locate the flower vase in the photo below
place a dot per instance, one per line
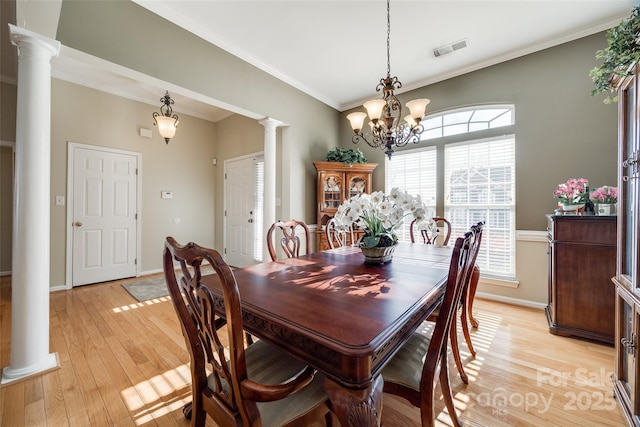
(572, 207)
(605, 209)
(378, 254)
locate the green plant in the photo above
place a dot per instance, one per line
(346, 155)
(622, 51)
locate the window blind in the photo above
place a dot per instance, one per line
(479, 179)
(413, 171)
(258, 195)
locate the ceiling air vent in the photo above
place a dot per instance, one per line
(443, 50)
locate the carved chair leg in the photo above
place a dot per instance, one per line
(468, 302)
(455, 349)
(464, 322)
(427, 410)
(445, 386)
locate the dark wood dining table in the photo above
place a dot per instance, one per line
(344, 317)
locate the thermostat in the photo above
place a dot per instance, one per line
(166, 195)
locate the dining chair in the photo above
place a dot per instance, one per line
(290, 241)
(471, 278)
(338, 237)
(443, 228)
(411, 373)
(254, 386)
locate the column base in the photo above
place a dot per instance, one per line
(10, 375)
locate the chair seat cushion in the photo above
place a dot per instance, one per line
(268, 365)
(405, 367)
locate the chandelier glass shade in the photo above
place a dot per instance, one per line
(166, 121)
(387, 128)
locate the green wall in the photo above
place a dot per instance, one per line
(561, 130)
(101, 28)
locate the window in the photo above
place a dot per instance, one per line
(455, 122)
(413, 171)
(258, 195)
(479, 179)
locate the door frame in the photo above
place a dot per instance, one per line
(71, 147)
(224, 202)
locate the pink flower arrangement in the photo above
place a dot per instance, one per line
(572, 191)
(605, 194)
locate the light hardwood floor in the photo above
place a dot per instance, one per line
(124, 363)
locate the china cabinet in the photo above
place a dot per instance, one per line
(582, 261)
(627, 312)
(336, 183)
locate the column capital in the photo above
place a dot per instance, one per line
(270, 123)
(21, 36)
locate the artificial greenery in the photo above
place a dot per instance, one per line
(622, 51)
(346, 156)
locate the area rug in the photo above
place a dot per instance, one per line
(154, 287)
(147, 289)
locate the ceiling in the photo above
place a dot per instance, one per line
(335, 51)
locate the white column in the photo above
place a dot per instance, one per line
(269, 215)
(31, 208)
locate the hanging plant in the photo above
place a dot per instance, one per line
(346, 156)
(621, 53)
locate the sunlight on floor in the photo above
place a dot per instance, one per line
(141, 304)
(159, 395)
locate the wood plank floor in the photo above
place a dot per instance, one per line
(124, 363)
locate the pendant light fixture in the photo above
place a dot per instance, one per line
(167, 121)
(385, 115)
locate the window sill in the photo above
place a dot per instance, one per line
(507, 283)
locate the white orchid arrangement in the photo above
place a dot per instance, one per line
(379, 215)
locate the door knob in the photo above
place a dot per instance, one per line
(78, 224)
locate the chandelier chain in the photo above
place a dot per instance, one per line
(388, 38)
(385, 115)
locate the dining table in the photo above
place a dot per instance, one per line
(342, 316)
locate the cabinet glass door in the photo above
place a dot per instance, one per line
(331, 190)
(628, 185)
(356, 185)
(626, 355)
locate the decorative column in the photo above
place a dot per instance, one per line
(269, 214)
(31, 209)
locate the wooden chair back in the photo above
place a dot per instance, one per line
(458, 271)
(226, 394)
(443, 232)
(290, 241)
(338, 238)
(429, 355)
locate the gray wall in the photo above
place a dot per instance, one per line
(561, 131)
(183, 167)
(102, 28)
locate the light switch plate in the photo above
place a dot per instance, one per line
(166, 195)
(59, 200)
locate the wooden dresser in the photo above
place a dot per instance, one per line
(582, 261)
(337, 183)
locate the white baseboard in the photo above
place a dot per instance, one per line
(148, 272)
(58, 288)
(512, 301)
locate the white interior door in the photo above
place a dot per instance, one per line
(243, 211)
(104, 215)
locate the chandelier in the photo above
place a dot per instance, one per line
(167, 121)
(385, 114)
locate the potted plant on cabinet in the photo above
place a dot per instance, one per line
(621, 53)
(346, 156)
